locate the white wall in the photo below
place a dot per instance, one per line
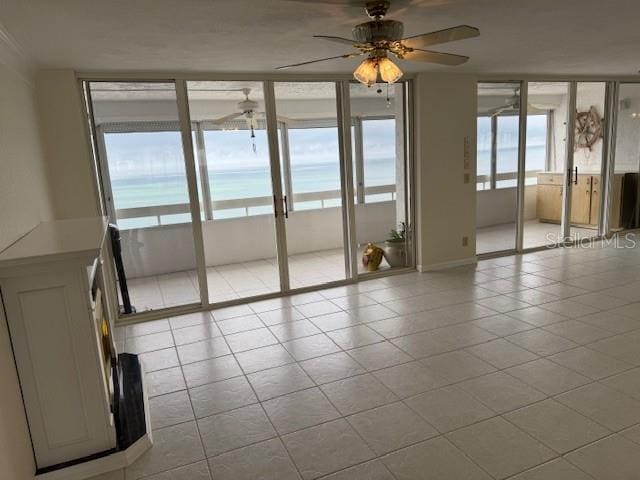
(445, 110)
(24, 202)
(67, 147)
(167, 249)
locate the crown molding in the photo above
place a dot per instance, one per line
(14, 57)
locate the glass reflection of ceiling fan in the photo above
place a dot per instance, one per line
(248, 109)
(512, 104)
(379, 38)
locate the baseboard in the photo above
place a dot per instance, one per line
(445, 265)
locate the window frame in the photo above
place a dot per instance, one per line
(493, 175)
(200, 127)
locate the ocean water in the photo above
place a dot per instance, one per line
(229, 184)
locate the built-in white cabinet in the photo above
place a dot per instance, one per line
(52, 288)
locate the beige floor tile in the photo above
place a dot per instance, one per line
(240, 342)
(239, 324)
(409, 379)
(435, 459)
(627, 382)
(612, 321)
(354, 337)
(374, 470)
(172, 447)
(332, 367)
(326, 448)
(442, 340)
(263, 358)
(164, 381)
(316, 309)
(190, 320)
(557, 426)
(299, 410)
(195, 471)
(292, 330)
(234, 429)
(502, 392)
(606, 406)
(146, 328)
(579, 332)
(379, 355)
(231, 312)
(355, 394)
(590, 363)
(391, 427)
(449, 408)
(502, 325)
(336, 321)
(623, 347)
(170, 409)
(632, 433)
(198, 351)
(500, 448)
(159, 359)
(537, 316)
(279, 381)
(310, 347)
(268, 459)
(541, 342)
(547, 376)
(612, 458)
(458, 366)
(282, 315)
(501, 353)
(221, 396)
(212, 370)
(558, 469)
(196, 333)
(148, 343)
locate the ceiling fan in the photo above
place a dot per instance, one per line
(380, 37)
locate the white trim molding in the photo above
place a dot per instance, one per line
(14, 57)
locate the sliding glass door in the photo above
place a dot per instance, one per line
(545, 163)
(146, 190)
(560, 164)
(236, 193)
(229, 190)
(497, 166)
(312, 185)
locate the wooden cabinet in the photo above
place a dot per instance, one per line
(586, 196)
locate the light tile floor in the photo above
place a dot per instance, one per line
(238, 280)
(437, 376)
(501, 237)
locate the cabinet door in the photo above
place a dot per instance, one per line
(595, 200)
(581, 200)
(549, 202)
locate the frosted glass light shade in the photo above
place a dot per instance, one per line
(367, 72)
(389, 71)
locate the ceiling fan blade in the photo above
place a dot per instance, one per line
(344, 41)
(441, 36)
(226, 118)
(346, 55)
(435, 57)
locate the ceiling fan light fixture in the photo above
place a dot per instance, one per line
(367, 71)
(389, 71)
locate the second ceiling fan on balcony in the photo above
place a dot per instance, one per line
(380, 37)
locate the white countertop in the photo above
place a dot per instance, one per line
(58, 238)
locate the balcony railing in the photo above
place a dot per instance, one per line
(485, 180)
(159, 211)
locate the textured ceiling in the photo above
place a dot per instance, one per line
(517, 36)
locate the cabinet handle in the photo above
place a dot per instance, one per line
(575, 182)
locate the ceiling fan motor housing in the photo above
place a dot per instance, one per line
(378, 31)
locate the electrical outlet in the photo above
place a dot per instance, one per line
(465, 241)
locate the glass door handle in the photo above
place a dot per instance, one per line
(575, 181)
(286, 207)
(275, 207)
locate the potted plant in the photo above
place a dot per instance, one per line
(395, 250)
